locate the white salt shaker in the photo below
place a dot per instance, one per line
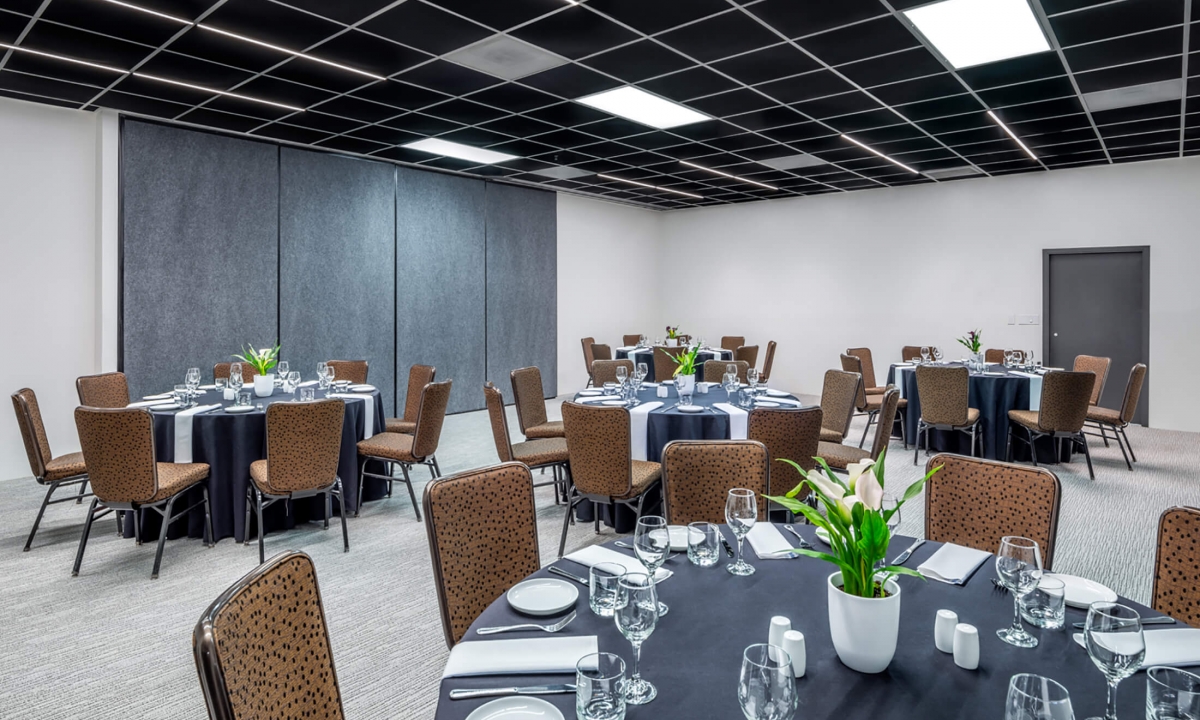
(779, 626)
(702, 388)
(966, 646)
(943, 630)
(229, 394)
(793, 645)
(662, 391)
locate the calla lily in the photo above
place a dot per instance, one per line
(869, 491)
(846, 507)
(829, 488)
(857, 469)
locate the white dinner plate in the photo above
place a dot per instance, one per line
(543, 596)
(776, 393)
(690, 408)
(516, 708)
(1081, 592)
(765, 403)
(160, 396)
(165, 406)
(823, 535)
(590, 393)
(612, 402)
(363, 388)
(679, 537)
(239, 409)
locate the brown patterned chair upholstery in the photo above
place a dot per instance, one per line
(840, 456)
(995, 356)
(221, 370)
(765, 375)
(732, 342)
(868, 370)
(838, 395)
(418, 377)
(601, 467)
(530, 399)
(1102, 418)
(304, 443)
(749, 353)
(474, 563)
(548, 452)
(945, 404)
(601, 351)
(908, 353)
(605, 371)
(1099, 366)
(118, 447)
(262, 648)
(697, 476)
(1065, 401)
(53, 472)
(406, 450)
(107, 390)
(353, 370)
(714, 370)
(665, 362)
(587, 343)
(974, 503)
(1177, 565)
(870, 405)
(791, 434)
(630, 340)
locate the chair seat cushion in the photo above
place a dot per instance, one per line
(543, 451)
(1025, 418)
(876, 390)
(389, 446)
(645, 474)
(831, 436)
(552, 429)
(258, 472)
(65, 466)
(841, 456)
(972, 417)
(399, 425)
(875, 403)
(175, 478)
(1104, 415)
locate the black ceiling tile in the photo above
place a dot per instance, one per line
(1112, 19)
(1193, 83)
(70, 72)
(366, 52)
(47, 87)
(81, 45)
(449, 163)
(1053, 7)
(499, 15)
(1052, 124)
(522, 148)
(705, 131)
(720, 37)
(932, 86)
(689, 84)
(796, 19)
(1016, 70)
(986, 147)
(398, 94)
(570, 81)
(1128, 154)
(1125, 75)
(689, 151)
(1013, 166)
(733, 102)
(801, 131)
(514, 98)
(306, 72)
(271, 22)
(844, 104)
(659, 15)
(192, 70)
(426, 27)
(599, 166)
(344, 11)
(112, 19)
(518, 126)
(857, 42)
(384, 134)
(252, 109)
(564, 157)
(218, 48)
(1060, 137)
(223, 120)
(969, 137)
(614, 128)
(350, 107)
(566, 139)
(1076, 159)
(349, 144)
(523, 164)
(1020, 94)
(1037, 110)
(1144, 46)
(603, 148)
(637, 159)
(763, 152)
(957, 123)
(27, 7)
(401, 154)
(449, 78)
(890, 134)
(864, 121)
(767, 64)
(638, 61)
(942, 107)
(464, 111)
(898, 147)
(990, 158)
(291, 133)
(816, 145)
(167, 91)
(11, 26)
(904, 65)
(568, 114)
(289, 93)
(476, 137)
(320, 121)
(736, 143)
(652, 140)
(1137, 126)
(1149, 138)
(574, 33)
(141, 105)
(806, 87)
(1137, 112)
(769, 118)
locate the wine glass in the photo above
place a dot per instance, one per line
(1019, 567)
(330, 376)
(1114, 640)
(192, 380)
(1029, 358)
(642, 371)
(235, 377)
(741, 512)
(320, 370)
(767, 686)
(924, 353)
(937, 354)
(652, 545)
(281, 371)
(1033, 697)
(641, 341)
(293, 379)
(622, 374)
(752, 378)
(636, 615)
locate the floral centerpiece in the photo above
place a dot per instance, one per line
(973, 341)
(263, 361)
(685, 367)
(672, 335)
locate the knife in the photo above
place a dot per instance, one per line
(530, 690)
(728, 548)
(557, 571)
(1164, 620)
(902, 557)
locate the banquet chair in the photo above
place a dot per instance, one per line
(353, 370)
(749, 353)
(1065, 398)
(995, 356)
(53, 472)
(598, 440)
(631, 340)
(304, 444)
(587, 343)
(600, 351)
(732, 342)
(665, 362)
(221, 370)
(697, 476)
(1017, 499)
(765, 375)
(1176, 591)
(262, 648)
(107, 390)
(605, 371)
(868, 370)
(870, 405)
(840, 456)
(714, 370)
(791, 434)
(530, 399)
(546, 452)
(1097, 365)
(838, 394)
(945, 404)
(1102, 418)
(474, 562)
(408, 450)
(908, 353)
(418, 377)
(118, 447)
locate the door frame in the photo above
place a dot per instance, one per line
(1047, 253)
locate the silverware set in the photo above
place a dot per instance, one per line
(804, 544)
(553, 628)
(563, 573)
(463, 694)
(903, 557)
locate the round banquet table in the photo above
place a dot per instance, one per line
(646, 355)
(694, 655)
(228, 443)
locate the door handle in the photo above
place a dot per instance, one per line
(1055, 334)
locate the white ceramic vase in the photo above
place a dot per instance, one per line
(264, 385)
(864, 630)
(672, 342)
(689, 384)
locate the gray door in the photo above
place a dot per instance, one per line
(1097, 302)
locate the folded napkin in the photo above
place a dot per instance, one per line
(768, 542)
(784, 401)
(368, 411)
(1180, 646)
(776, 393)
(160, 396)
(628, 348)
(208, 387)
(527, 656)
(183, 432)
(597, 398)
(1035, 389)
(953, 564)
(738, 419)
(362, 388)
(145, 403)
(594, 555)
(308, 383)
(638, 419)
(164, 406)
(649, 383)
(1022, 373)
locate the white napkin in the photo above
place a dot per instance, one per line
(160, 396)
(768, 542)
(628, 348)
(183, 432)
(308, 383)
(596, 398)
(145, 403)
(164, 405)
(208, 387)
(953, 564)
(738, 420)
(1180, 646)
(362, 388)
(368, 411)
(594, 555)
(638, 419)
(776, 393)
(649, 383)
(527, 656)
(786, 401)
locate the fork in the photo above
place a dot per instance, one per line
(804, 544)
(999, 586)
(529, 626)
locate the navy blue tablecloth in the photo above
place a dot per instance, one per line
(702, 357)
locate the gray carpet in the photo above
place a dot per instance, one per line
(112, 644)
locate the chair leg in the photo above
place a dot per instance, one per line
(973, 435)
(137, 526)
(1008, 446)
(437, 471)
(258, 503)
(903, 430)
(1117, 437)
(328, 509)
(87, 528)
(1032, 448)
(162, 539)
(1104, 434)
(1087, 454)
(863, 439)
(917, 444)
(41, 511)
(1131, 454)
(362, 475)
(249, 508)
(82, 489)
(562, 543)
(342, 514)
(120, 522)
(411, 493)
(210, 539)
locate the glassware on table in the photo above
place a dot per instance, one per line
(636, 615)
(752, 377)
(602, 587)
(243, 399)
(308, 394)
(1172, 694)
(1113, 636)
(180, 395)
(1046, 605)
(1028, 357)
(1033, 697)
(767, 686)
(925, 354)
(745, 398)
(889, 503)
(937, 354)
(642, 370)
(600, 687)
(192, 380)
(1019, 568)
(652, 545)
(235, 376)
(731, 368)
(622, 373)
(641, 341)
(703, 541)
(281, 372)
(219, 384)
(741, 512)
(293, 379)
(320, 370)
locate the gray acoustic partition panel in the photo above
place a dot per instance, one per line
(522, 283)
(199, 234)
(440, 282)
(336, 260)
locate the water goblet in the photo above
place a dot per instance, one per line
(636, 616)
(731, 368)
(293, 379)
(642, 370)
(308, 394)
(243, 399)
(652, 545)
(1033, 697)
(235, 377)
(1114, 640)
(767, 686)
(180, 395)
(1046, 605)
(603, 586)
(703, 539)
(641, 341)
(220, 384)
(281, 372)
(741, 512)
(600, 687)
(925, 354)
(622, 374)
(1172, 694)
(752, 377)
(1019, 568)
(320, 370)
(746, 398)
(937, 354)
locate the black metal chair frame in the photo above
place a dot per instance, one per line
(162, 507)
(922, 426)
(577, 497)
(431, 462)
(1032, 436)
(872, 418)
(255, 497)
(82, 480)
(1118, 435)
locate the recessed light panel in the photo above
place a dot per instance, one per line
(974, 32)
(791, 162)
(562, 172)
(446, 148)
(953, 172)
(1124, 97)
(640, 106)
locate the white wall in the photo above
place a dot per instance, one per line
(923, 265)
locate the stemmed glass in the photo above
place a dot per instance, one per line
(937, 354)
(1114, 640)
(752, 378)
(282, 371)
(235, 377)
(729, 381)
(925, 354)
(652, 544)
(636, 615)
(1033, 697)
(741, 512)
(320, 370)
(293, 380)
(622, 374)
(680, 386)
(642, 371)
(192, 380)
(767, 687)
(1019, 567)
(641, 341)
(329, 378)
(1029, 358)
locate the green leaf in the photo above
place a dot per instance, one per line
(901, 570)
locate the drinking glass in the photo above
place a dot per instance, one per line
(1046, 605)
(679, 383)
(924, 353)
(293, 379)
(308, 394)
(220, 383)
(752, 377)
(602, 587)
(235, 376)
(636, 615)
(1113, 636)
(281, 372)
(1033, 697)
(243, 399)
(600, 687)
(730, 383)
(1029, 357)
(703, 539)
(641, 341)
(731, 368)
(192, 380)
(330, 372)
(937, 354)
(642, 370)
(622, 373)
(320, 370)
(746, 398)
(741, 512)
(1172, 694)
(767, 686)
(652, 545)
(1019, 568)
(180, 395)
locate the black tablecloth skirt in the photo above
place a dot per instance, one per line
(701, 358)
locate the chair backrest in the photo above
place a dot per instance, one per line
(418, 377)
(1133, 392)
(732, 342)
(790, 434)
(768, 362)
(304, 443)
(221, 370)
(945, 394)
(600, 351)
(698, 475)
(33, 432)
(1177, 558)
(852, 364)
(599, 447)
(494, 399)
(1065, 400)
(1097, 365)
(118, 447)
(838, 395)
(434, 399)
(996, 355)
(868, 365)
(908, 353)
(353, 370)
(885, 420)
(749, 353)
(665, 362)
(474, 563)
(262, 648)
(630, 340)
(529, 397)
(974, 502)
(714, 370)
(587, 343)
(107, 390)
(605, 371)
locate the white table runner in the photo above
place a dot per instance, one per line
(183, 432)
(639, 418)
(368, 409)
(738, 420)
(1035, 384)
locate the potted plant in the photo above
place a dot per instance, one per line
(973, 341)
(672, 336)
(864, 597)
(685, 368)
(262, 361)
